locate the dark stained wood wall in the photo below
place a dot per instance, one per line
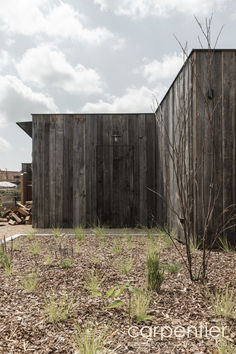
(81, 176)
(223, 164)
(192, 85)
(177, 103)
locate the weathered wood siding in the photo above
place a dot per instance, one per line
(176, 106)
(219, 155)
(190, 88)
(82, 176)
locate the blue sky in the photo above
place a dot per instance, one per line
(93, 56)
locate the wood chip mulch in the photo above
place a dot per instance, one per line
(24, 326)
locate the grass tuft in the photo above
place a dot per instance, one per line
(7, 263)
(223, 302)
(89, 340)
(117, 247)
(29, 282)
(79, 234)
(48, 259)
(93, 283)
(173, 268)
(224, 244)
(35, 248)
(67, 263)
(30, 236)
(155, 273)
(100, 235)
(58, 309)
(139, 308)
(126, 266)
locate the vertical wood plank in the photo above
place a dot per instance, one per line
(151, 176)
(228, 136)
(35, 177)
(52, 171)
(79, 173)
(142, 170)
(66, 166)
(59, 147)
(45, 191)
(40, 128)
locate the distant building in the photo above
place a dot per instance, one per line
(10, 176)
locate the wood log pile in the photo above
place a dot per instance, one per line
(20, 214)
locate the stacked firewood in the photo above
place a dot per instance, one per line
(19, 214)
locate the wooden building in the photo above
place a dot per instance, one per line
(91, 169)
(101, 168)
(201, 104)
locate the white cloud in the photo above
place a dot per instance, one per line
(47, 66)
(49, 17)
(166, 68)
(4, 145)
(143, 8)
(18, 101)
(134, 100)
(119, 45)
(4, 59)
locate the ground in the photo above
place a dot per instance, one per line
(26, 327)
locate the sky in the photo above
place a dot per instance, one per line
(88, 56)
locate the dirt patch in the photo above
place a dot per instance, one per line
(24, 325)
(8, 230)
